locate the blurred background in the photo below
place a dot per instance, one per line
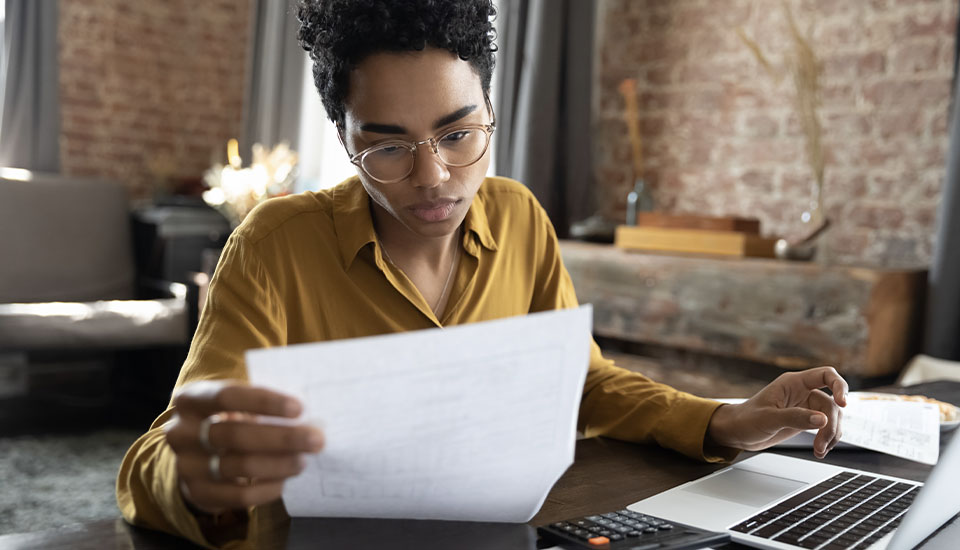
(742, 187)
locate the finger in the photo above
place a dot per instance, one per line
(249, 437)
(825, 377)
(183, 435)
(829, 433)
(207, 397)
(797, 418)
(262, 467)
(213, 496)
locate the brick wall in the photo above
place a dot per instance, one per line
(721, 137)
(149, 90)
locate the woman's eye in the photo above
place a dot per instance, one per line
(390, 150)
(456, 136)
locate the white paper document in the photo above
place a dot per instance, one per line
(907, 429)
(474, 422)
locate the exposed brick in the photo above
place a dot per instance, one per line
(757, 181)
(139, 79)
(888, 66)
(916, 57)
(910, 122)
(877, 217)
(760, 126)
(893, 92)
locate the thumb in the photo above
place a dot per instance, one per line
(798, 418)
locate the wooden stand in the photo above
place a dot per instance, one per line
(794, 315)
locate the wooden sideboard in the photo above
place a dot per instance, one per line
(794, 315)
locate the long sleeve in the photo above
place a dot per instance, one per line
(618, 403)
(242, 312)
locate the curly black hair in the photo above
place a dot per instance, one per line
(339, 34)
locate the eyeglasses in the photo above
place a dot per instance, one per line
(392, 161)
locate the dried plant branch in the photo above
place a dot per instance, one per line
(805, 70)
(628, 89)
(758, 53)
(806, 78)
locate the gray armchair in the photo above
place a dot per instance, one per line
(68, 286)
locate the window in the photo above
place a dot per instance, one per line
(3, 56)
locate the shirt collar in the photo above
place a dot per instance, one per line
(351, 219)
(354, 225)
(477, 223)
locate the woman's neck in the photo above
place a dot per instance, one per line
(403, 247)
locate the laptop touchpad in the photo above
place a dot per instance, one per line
(745, 487)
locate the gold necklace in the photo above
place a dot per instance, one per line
(446, 284)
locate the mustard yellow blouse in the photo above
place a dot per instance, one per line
(308, 268)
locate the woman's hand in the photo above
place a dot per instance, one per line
(226, 458)
(790, 404)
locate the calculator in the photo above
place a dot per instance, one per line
(627, 530)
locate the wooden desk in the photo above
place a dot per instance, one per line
(607, 475)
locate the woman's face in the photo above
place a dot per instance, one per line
(415, 96)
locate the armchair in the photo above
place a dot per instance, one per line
(70, 300)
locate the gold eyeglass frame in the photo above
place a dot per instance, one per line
(414, 146)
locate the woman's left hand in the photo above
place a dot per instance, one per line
(792, 403)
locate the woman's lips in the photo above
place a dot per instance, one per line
(434, 211)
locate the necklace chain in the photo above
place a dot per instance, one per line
(446, 284)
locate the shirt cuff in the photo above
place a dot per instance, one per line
(684, 429)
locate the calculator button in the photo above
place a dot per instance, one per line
(650, 530)
(616, 537)
(582, 534)
(593, 518)
(633, 534)
(605, 533)
(665, 526)
(599, 541)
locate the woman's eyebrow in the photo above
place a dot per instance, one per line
(454, 116)
(379, 128)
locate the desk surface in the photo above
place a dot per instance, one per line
(606, 475)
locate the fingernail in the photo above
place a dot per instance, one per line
(315, 441)
(291, 408)
(816, 420)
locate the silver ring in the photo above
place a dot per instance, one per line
(204, 435)
(213, 466)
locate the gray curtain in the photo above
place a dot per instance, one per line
(543, 102)
(30, 121)
(274, 76)
(943, 318)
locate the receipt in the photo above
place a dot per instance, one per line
(906, 429)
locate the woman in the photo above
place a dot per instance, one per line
(418, 239)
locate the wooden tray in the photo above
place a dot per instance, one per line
(690, 221)
(694, 241)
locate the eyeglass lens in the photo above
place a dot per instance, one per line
(394, 161)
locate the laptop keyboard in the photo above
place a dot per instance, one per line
(847, 511)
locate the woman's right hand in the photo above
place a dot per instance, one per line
(239, 461)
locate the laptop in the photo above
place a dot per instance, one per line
(779, 502)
